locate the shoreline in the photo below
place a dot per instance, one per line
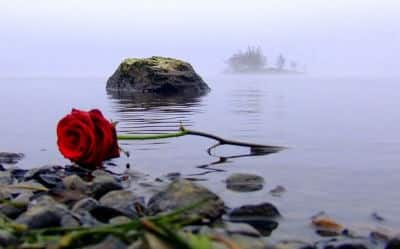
(70, 197)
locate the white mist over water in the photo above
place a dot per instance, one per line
(86, 38)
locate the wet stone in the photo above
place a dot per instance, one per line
(122, 200)
(10, 157)
(110, 242)
(7, 239)
(86, 219)
(261, 217)
(67, 197)
(43, 201)
(183, 193)
(265, 209)
(19, 174)
(49, 176)
(86, 204)
(43, 216)
(104, 214)
(393, 244)
(119, 220)
(29, 186)
(74, 182)
(69, 221)
(242, 182)
(5, 178)
(17, 206)
(102, 184)
(264, 226)
(327, 233)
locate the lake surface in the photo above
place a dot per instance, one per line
(342, 133)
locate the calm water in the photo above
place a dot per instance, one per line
(342, 134)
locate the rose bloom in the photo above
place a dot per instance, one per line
(87, 138)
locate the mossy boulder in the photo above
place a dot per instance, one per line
(156, 75)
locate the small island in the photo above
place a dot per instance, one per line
(254, 61)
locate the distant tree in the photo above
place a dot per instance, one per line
(280, 62)
(251, 60)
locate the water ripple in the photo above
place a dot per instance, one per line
(139, 113)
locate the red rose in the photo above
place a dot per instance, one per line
(87, 138)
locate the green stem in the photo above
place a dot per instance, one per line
(152, 136)
(221, 141)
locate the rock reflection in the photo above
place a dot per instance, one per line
(146, 113)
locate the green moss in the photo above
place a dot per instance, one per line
(165, 63)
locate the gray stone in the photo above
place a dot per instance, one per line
(242, 182)
(156, 75)
(327, 233)
(241, 228)
(28, 186)
(7, 239)
(119, 220)
(10, 157)
(86, 219)
(393, 244)
(74, 182)
(17, 206)
(121, 200)
(86, 204)
(261, 217)
(5, 178)
(42, 201)
(183, 193)
(102, 184)
(69, 221)
(265, 209)
(43, 216)
(100, 172)
(48, 175)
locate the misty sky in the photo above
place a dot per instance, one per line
(91, 37)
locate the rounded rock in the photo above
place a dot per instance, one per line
(103, 184)
(243, 182)
(156, 74)
(121, 200)
(183, 193)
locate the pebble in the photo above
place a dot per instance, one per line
(10, 157)
(242, 182)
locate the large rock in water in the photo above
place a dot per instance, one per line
(156, 75)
